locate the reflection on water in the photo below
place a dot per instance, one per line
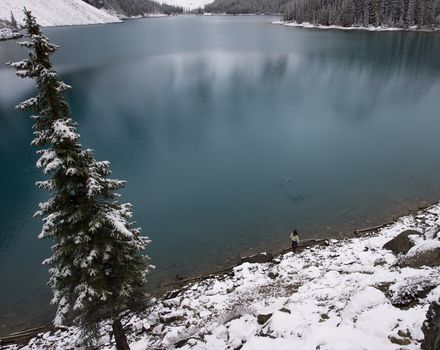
(230, 131)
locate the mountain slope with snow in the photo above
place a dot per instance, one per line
(56, 12)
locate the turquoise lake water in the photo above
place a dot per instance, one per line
(230, 131)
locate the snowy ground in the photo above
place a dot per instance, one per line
(318, 26)
(56, 12)
(8, 33)
(346, 295)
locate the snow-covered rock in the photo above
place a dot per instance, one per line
(56, 12)
(431, 328)
(402, 242)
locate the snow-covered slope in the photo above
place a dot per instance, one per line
(56, 12)
(347, 294)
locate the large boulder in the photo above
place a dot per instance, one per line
(402, 242)
(431, 328)
(429, 257)
(410, 291)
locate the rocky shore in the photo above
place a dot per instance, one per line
(379, 291)
(8, 33)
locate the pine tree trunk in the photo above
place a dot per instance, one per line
(120, 338)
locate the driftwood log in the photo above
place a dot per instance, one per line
(302, 244)
(24, 336)
(373, 228)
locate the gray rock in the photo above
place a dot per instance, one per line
(284, 309)
(423, 258)
(410, 294)
(172, 302)
(158, 329)
(399, 341)
(404, 333)
(324, 317)
(258, 258)
(379, 262)
(204, 299)
(401, 243)
(172, 294)
(262, 318)
(272, 275)
(431, 328)
(171, 319)
(183, 342)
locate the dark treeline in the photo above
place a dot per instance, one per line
(246, 6)
(389, 13)
(135, 7)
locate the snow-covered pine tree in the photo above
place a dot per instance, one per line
(98, 268)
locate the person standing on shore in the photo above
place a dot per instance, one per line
(295, 240)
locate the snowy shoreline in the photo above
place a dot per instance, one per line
(346, 294)
(8, 34)
(308, 25)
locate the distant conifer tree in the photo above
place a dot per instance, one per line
(98, 268)
(14, 21)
